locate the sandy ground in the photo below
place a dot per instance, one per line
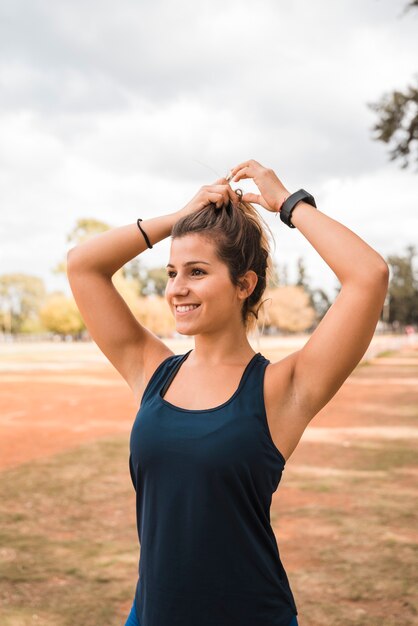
(54, 397)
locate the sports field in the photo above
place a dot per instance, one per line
(345, 513)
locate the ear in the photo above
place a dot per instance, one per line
(248, 283)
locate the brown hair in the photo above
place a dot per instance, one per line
(240, 241)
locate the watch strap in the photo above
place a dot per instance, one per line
(290, 203)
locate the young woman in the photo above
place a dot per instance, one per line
(216, 425)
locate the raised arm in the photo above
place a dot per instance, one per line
(340, 340)
(133, 349)
(128, 345)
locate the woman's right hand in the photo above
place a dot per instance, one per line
(219, 193)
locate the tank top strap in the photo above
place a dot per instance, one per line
(165, 370)
(254, 396)
(254, 386)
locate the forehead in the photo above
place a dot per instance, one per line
(191, 247)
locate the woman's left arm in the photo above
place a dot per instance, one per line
(341, 338)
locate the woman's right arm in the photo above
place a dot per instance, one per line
(131, 348)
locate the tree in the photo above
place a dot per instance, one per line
(288, 309)
(320, 302)
(302, 279)
(21, 296)
(61, 315)
(274, 279)
(398, 122)
(398, 117)
(154, 313)
(281, 275)
(318, 298)
(88, 227)
(133, 271)
(156, 281)
(403, 289)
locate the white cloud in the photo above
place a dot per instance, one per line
(118, 113)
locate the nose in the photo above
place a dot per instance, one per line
(178, 287)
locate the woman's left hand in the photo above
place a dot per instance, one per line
(272, 191)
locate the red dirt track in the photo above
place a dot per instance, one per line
(53, 397)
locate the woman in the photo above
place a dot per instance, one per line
(216, 425)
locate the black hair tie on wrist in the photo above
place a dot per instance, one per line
(143, 232)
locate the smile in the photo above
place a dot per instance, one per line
(185, 310)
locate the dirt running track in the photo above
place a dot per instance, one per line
(349, 487)
(53, 397)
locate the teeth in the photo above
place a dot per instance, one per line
(186, 308)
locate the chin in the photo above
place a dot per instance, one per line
(185, 333)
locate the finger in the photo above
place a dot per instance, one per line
(220, 181)
(251, 164)
(256, 198)
(216, 198)
(252, 197)
(232, 196)
(229, 196)
(227, 192)
(219, 187)
(244, 172)
(235, 169)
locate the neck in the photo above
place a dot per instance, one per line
(224, 349)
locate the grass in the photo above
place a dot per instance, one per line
(68, 539)
(69, 549)
(365, 563)
(386, 353)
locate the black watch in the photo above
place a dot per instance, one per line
(291, 202)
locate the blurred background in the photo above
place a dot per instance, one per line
(110, 112)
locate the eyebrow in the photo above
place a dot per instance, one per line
(189, 263)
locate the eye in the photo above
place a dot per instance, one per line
(195, 269)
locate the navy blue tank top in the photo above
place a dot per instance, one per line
(204, 481)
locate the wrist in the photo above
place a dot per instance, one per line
(177, 215)
(296, 199)
(281, 200)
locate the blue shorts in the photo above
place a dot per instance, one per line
(133, 620)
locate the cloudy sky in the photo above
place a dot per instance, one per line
(122, 110)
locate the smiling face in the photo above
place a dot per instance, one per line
(197, 276)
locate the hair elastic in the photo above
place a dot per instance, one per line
(143, 232)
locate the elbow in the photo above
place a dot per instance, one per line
(71, 258)
(374, 276)
(69, 253)
(384, 273)
(380, 283)
(379, 273)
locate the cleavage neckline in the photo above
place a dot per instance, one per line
(215, 408)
